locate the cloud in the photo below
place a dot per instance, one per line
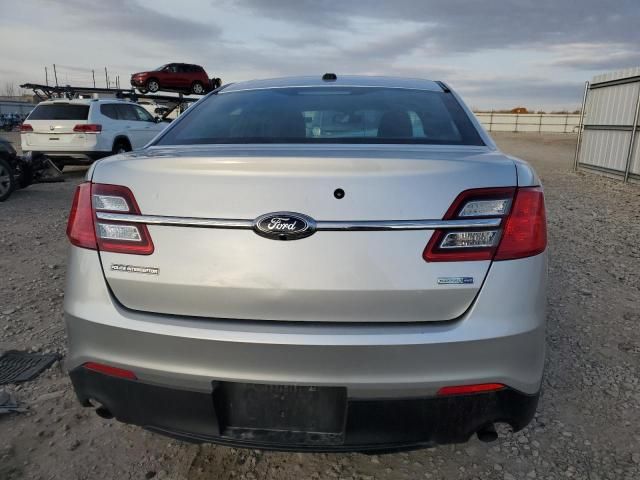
(534, 93)
(516, 51)
(324, 13)
(392, 45)
(596, 56)
(461, 25)
(133, 19)
(541, 90)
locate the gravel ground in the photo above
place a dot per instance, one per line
(586, 426)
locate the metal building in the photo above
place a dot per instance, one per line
(14, 106)
(608, 140)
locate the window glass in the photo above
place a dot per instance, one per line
(126, 112)
(326, 115)
(142, 115)
(109, 110)
(60, 112)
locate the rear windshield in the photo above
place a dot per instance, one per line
(60, 112)
(326, 115)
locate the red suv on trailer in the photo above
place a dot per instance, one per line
(183, 77)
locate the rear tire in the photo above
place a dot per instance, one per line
(197, 88)
(7, 180)
(26, 176)
(121, 146)
(153, 85)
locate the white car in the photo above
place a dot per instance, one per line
(85, 129)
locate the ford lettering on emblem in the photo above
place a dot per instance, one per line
(284, 226)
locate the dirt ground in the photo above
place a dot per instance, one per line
(587, 426)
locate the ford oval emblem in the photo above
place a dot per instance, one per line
(284, 226)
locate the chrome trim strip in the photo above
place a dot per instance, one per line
(371, 225)
(341, 225)
(176, 221)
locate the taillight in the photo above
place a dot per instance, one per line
(525, 231)
(119, 237)
(521, 233)
(88, 128)
(470, 244)
(25, 127)
(80, 228)
(85, 229)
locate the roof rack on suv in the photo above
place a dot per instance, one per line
(48, 92)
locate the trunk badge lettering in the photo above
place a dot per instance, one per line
(284, 226)
(117, 267)
(455, 280)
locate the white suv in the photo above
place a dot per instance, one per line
(87, 129)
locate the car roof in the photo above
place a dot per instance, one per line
(341, 80)
(83, 101)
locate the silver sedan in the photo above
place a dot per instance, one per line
(316, 263)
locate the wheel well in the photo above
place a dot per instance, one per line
(121, 139)
(152, 78)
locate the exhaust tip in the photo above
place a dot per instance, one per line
(487, 434)
(101, 410)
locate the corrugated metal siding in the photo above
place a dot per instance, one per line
(617, 75)
(605, 148)
(608, 123)
(22, 108)
(613, 105)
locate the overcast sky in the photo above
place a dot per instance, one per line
(496, 53)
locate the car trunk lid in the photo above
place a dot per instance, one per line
(53, 124)
(356, 276)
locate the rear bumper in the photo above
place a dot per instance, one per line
(73, 156)
(71, 143)
(383, 367)
(370, 424)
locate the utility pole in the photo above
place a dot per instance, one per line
(46, 76)
(55, 74)
(93, 74)
(106, 77)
